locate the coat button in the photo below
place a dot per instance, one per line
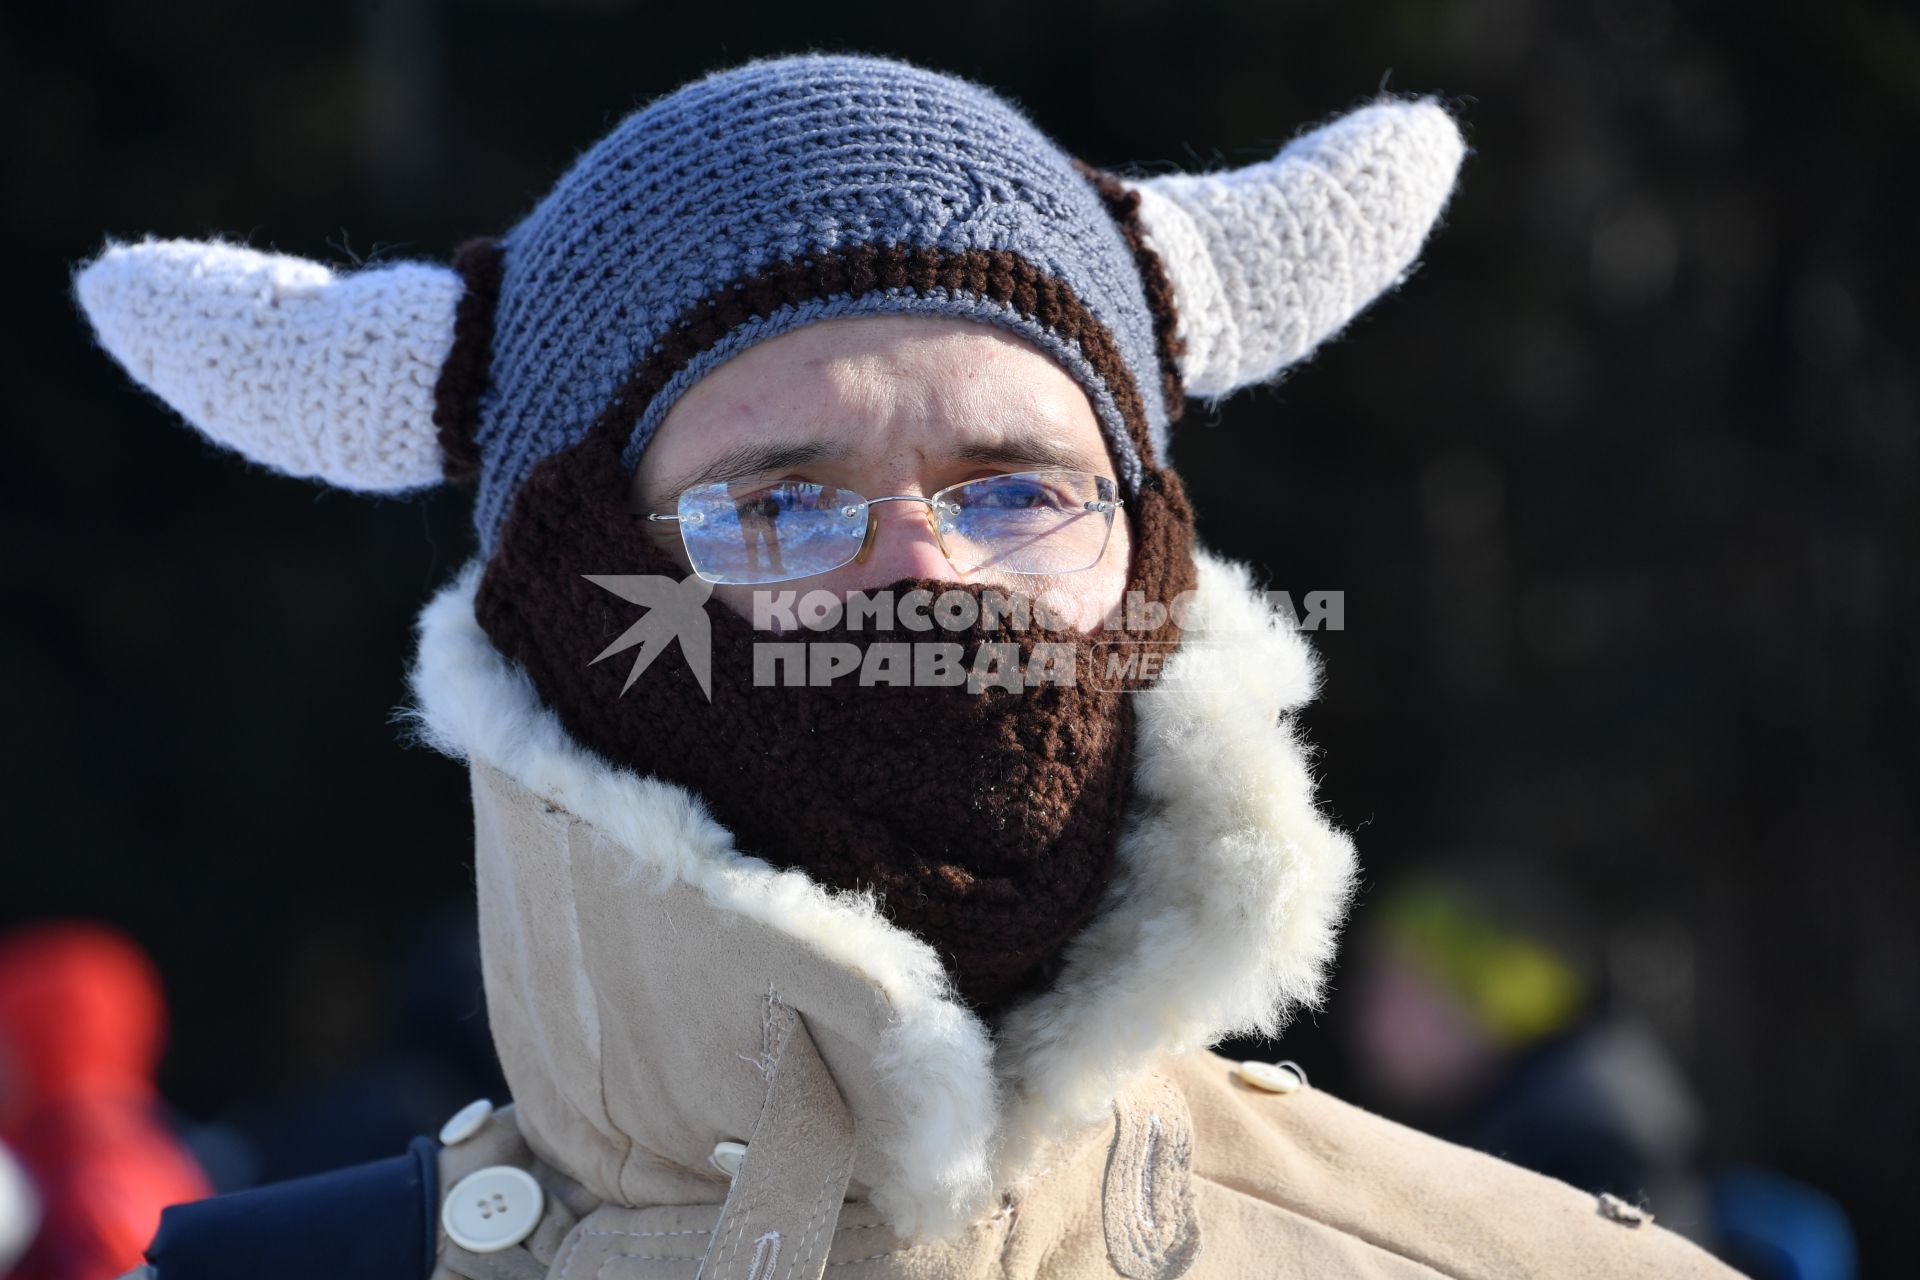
(727, 1157)
(492, 1209)
(1274, 1077)
(1624, 1212)
(465, 1122)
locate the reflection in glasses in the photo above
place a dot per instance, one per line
(1028, 522)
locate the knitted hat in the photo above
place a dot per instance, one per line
(747, 204)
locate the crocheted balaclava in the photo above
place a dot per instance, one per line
(744, 205)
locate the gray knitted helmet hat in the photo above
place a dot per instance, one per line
(746, 204)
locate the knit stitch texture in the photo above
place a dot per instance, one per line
(303, 370)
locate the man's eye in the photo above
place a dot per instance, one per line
(1014, 495)
(776, 497)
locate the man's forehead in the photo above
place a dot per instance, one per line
(966, 384)
(845, 392)
(786, 447)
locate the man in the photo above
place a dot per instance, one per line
(888, 950)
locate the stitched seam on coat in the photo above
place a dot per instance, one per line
(612, 1258)
(1143, 1188)
(872, 1257)
(731, 1247)
(1369, 1241)
(810, 1235)
(573, 1246)
(570, 824)
(828, 1200)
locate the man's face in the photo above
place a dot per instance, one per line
(887, 405)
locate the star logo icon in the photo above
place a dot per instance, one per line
(674, 611)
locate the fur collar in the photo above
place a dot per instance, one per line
(1221, 920)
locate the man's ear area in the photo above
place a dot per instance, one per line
(323, 375)
(639, 494)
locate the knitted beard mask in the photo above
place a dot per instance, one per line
(987, 822)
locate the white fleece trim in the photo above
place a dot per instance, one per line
(1221, 919)
(1231, 890)
(316, 375)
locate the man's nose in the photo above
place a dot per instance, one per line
(903, 547)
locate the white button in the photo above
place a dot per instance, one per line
(492, 1209)
(1614, 1209)
(1274, 1077)
(466, 1122)
(727, 1157)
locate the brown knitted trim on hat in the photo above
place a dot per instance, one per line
(999, 274)
(1123, 206)
(456, 392)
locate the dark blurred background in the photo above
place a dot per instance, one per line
(1620, 489)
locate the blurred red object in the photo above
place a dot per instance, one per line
(82, 1022)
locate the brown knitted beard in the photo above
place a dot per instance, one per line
(987, 822)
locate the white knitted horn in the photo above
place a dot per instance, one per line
(1269, 261)
(323, 376)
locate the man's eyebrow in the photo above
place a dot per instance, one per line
(1028, 450)
(751, 460)
(758, 457)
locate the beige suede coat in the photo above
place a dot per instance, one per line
(655, 993)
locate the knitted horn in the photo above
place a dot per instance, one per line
(324, 376)
(1269, 261)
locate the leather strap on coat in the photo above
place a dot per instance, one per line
(780, 1214)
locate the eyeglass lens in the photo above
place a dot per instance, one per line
(1030, 522)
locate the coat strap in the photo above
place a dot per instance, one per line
(780, 1215)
